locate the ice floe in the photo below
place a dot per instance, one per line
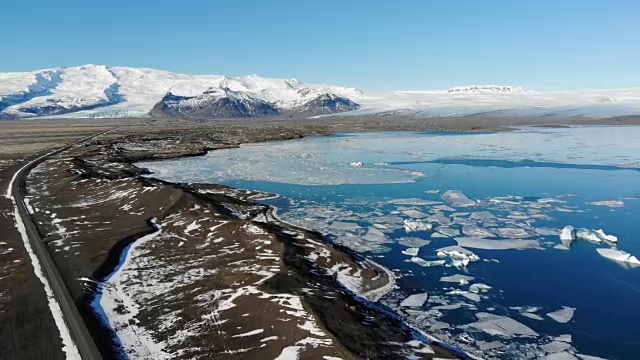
(609, 203)
(618, 255)
(375, 235)
(563, 315)
(473, 230)
(415, 214)
(413, 242)
(426, 263)
(461, 279)
(479, 288)
(505, 244)
(416, 225)
(512, 232)
(501, 326)
(341, 225)
(469, 295)
(565, 355)
(460, 257)
(458, 198)
(602, 235)
(415, 300)
(411, 251)
(567, 234)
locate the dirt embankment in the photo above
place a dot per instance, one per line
(208, 272)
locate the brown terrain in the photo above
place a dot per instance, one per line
(211, 273)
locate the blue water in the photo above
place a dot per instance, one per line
(573, 166)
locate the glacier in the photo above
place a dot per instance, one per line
(100, 91)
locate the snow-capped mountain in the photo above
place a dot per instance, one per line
(106, 91)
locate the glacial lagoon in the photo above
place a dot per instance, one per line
(471, 225)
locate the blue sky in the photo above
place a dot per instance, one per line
(374, 45)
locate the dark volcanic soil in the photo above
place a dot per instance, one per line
(90, 203)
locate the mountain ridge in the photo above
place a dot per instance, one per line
(100, 91)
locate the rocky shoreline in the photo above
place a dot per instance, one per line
(355, 327)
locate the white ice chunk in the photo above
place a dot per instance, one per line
(469, 295)
(341, 225)
(456, 278)
(440, 219)
(473, 230)
(586, 234)
(415, 214)
(374, 235)
(457, 198)
(555, 346)
(415, 300)
(411, 251)
(478, 288)
(416, 225)
(480, 243)
(426, 263)
(609, 203)
(501, 326)
(449, 232)
(413, 242)
(459, 256)
(606, 237)
(618, 255)
(559, 356)
(531, 316)
(568, 234)
(563, 315)
(482, 215)
(513, 233)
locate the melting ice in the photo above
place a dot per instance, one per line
(503, 243)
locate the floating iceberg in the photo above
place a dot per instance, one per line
(487, 244)
(596, 236)
(460, 257)
(618, 255)
(567, 233)
(457, 278)
(413, 242)
(457, 198)
(559, 356)
(474, 230)
(416, 225)
(501, 326)
(478, 288)
(609, 203)
(589, 235)
(512, 232)
(415, 214)
(563, 315)
(415, 300)
(469, 295)
(606, 237)
(411, 251)
(341, 225)
(374, 235)
(426, 263)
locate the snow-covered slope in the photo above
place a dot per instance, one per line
(105, 91)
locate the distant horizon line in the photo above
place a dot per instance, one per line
(522, 88)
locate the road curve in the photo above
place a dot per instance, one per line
(75, 325)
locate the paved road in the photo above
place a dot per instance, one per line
(76, 326)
